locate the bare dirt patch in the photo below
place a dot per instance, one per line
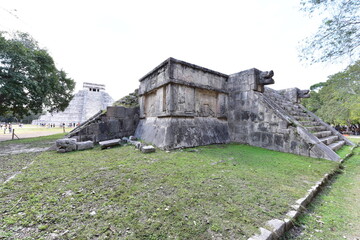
(21, 148)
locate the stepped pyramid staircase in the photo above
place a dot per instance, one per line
(85, 124)
(310, 127)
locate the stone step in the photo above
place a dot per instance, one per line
(302, 118)
(299, 113)
(288, 108)
(310, 123)
(322, 134)
(316, 128)
(336, 145)
(329, 140)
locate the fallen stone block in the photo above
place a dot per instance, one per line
(109, 143)
(147, 149)
(288, 224)
(125, 140)
(84, 145)
(276, 226)
(133, 138)
(66, 145)
(134, 142)
(139, 145)
(264, 235)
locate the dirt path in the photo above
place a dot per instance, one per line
(8, 136)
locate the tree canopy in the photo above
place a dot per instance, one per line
(337, 101)
(29, 79)
(338, 36)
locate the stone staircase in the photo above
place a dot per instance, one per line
(313, 125)
(322, 132)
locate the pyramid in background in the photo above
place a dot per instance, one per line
(86, 103)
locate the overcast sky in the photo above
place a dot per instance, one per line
(116, 42)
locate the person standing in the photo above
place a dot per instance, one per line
(5, 127)
(10, 127)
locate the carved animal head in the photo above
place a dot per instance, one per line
(303, 93)
(262, 79)
(266, 77)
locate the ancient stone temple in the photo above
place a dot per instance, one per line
(87, 102)
(185, 105)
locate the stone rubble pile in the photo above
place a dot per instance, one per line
(71, 144)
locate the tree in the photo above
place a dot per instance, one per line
(337, 101)
(29, 80)
(338, 36)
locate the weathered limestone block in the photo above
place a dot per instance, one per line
(133, 138)
(252, 79)
(137, 144)
(294, 94)
(66, 145)
(84, 145)
(276, 226)
(264, 235)
(116, 123)
(170, 133)
(147, 149)
(110, 143)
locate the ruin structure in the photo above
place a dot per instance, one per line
(185, 105)
(87, 102)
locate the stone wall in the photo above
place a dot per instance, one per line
(117, 122)
(171, 133)
(250, 121)
(182, 105)
(266, 118)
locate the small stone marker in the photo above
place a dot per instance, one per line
(84, 145)
(147, 149)
(138, 145)
(110, 143)
(66, 145)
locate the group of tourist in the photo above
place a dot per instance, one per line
(353, 129)
(52, 125)
(7, 126)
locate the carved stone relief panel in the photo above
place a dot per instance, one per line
(205, 103)
(184, 99)
(150, 104)
(197, 76)
(222, 107)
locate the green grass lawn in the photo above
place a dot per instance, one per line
(220, 191)
(335, 213)
(355, 140)
(12, 163)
